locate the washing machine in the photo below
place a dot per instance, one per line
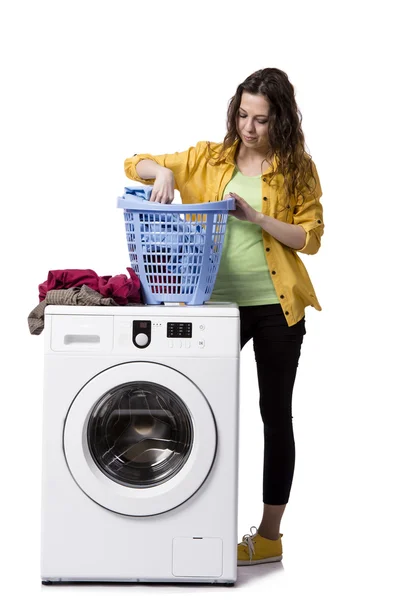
(140, 444)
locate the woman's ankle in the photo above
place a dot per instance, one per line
(269, 535)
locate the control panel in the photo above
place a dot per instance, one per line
(147, 336)
(166, 337)
(179, 334)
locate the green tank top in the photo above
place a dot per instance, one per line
(243, 276)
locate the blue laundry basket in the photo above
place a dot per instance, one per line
(175, 249)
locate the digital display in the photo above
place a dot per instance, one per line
(143, 325)
(179, 330)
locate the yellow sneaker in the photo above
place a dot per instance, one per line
(254, 549)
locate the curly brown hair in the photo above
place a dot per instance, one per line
(286, 138)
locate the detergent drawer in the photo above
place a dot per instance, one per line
(81, 333)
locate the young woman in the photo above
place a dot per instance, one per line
(262, 163)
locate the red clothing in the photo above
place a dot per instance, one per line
(121, 288)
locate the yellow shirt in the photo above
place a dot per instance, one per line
(199, 181)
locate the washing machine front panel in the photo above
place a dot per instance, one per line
(140, 438)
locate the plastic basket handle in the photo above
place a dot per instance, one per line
(145, 205)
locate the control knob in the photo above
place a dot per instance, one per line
(141, 339)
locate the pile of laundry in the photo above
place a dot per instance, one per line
(85, 288)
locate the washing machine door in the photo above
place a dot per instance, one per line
(140, 438)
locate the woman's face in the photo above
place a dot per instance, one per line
(252, 121)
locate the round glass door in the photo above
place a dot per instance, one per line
(140, 434)
(140, 438)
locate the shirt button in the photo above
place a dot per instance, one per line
(286, 312)
(267, 249)
(282, 296)
(264, 179)
(273, 272)
(265, 198)
(318, 221)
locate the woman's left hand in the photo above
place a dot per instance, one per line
(243, 210)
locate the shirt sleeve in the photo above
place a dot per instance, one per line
(308, 213)
(180, 163)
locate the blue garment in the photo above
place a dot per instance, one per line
(143, 191)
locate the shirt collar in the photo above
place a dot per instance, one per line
(229, 156)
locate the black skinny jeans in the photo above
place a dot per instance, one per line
(277, 351)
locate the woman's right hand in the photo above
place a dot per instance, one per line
(164, 186)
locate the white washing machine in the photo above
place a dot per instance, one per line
(140, 444)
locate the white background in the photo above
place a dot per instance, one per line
(86, 84)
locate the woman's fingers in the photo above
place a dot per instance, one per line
(161, 196)
(153, 197)
(164, 186)
(167, 197)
